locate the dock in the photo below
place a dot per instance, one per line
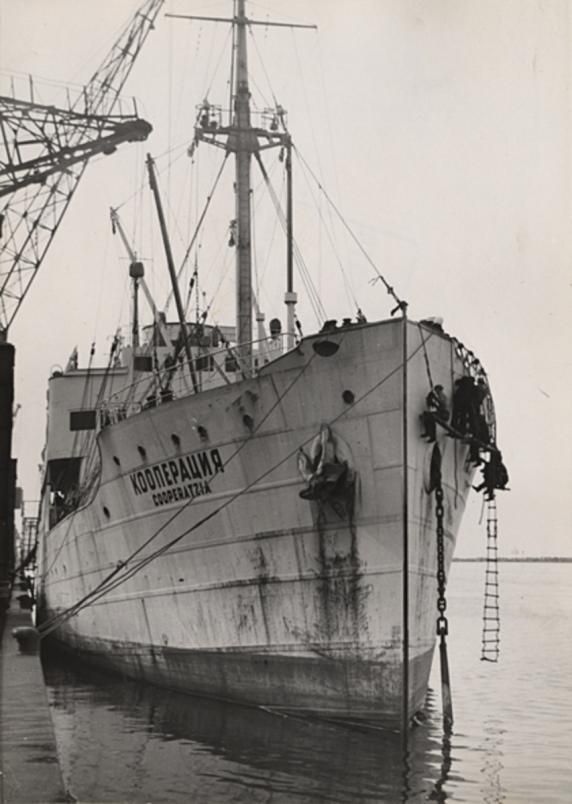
(29, 766)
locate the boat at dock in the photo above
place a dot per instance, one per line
(260, 519)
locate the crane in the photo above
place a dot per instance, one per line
(43, 154)
(38, 188)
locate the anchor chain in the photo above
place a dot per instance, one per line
(442, 622)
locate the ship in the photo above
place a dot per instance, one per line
(268, 520)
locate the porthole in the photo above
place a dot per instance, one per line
(142, 451)
(116, 460)
(106, 512)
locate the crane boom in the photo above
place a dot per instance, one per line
(118, 227)
(41, 140)
(31, 216)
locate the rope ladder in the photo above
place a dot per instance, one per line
(490, 648)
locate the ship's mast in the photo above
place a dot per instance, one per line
(245, 144)
(245, 140)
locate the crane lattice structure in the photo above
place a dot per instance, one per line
(44, 153)
(42, 140)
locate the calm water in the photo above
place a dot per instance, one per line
(512, 740)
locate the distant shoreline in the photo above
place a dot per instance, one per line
(536, 559)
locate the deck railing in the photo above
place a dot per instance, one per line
(212, 369)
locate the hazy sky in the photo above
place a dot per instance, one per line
(441, 128)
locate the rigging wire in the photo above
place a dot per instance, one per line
(232, 61)
(196, 165)
(159, 172)
(198, 226)
(190, 70)
(139, 198)
(264, 70)
(219, 60)
(379, 276)
(169, 103)
(253, 83)
(426, 356)
(329, 125)
(173, 218)
(259, 277)
(254, 254)
(313, 296)
(257, 299)
(275, 223)
(329, 128)
(306, 102)
(206, 62)
(183, 200)
(331, 237)
(144, 181)
(226, 265)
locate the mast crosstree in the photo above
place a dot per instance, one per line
(245, 140)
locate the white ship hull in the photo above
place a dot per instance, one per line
(275, 600)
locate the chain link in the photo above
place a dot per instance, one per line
(442, 624)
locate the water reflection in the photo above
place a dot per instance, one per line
(511, 740)
(439, 793)
(492, 789)
(123, 740)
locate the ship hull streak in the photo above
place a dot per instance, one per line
(360, 691)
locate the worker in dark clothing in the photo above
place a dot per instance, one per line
(482, 391)
(476, 397)
(478, 426)
(463, 405)
(495, 476)
(437, 411)
(468, 415)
